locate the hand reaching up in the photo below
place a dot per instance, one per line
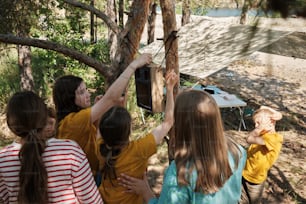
(142, 60)
(97, 98)
(171, 80)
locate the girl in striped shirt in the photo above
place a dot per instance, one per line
(36, 169)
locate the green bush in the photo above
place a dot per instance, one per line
(48, 65)
(9, 75)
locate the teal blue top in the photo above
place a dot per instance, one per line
(228, 194)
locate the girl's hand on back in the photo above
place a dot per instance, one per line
(138, 186)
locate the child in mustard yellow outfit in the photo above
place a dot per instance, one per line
(77, 117)
(119, 155)
(261, 155)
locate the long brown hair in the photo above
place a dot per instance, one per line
(64, 95)
(200, 142)
(26, 117)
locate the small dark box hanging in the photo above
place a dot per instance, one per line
(149, 82)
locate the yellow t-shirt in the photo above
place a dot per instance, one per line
(77, 127)
(260, 158)
(133, 161)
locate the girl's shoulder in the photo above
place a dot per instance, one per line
(83, 113)
(65, 144)
(10, 148)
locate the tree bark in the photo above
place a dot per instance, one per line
(24, 58)
(121, 13)
(129, 39)
(103, 69)
(126, 48)
(151, 22)
(92, 23)
(107, 20)
(112, 36)
(25, 70)
(186, 12)
(171, 52)
(244, 11)
(170, 37)
(237, 3)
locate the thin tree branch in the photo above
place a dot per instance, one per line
(97, 65)
(111, 24)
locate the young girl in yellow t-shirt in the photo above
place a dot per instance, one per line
(119, 155)
(77, 118)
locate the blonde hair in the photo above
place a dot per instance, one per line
(262, 112)
(268, 112)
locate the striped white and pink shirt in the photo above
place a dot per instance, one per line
(70, 178)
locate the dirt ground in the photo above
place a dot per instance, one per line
(280, 83)
(273, 80)
(260, 79)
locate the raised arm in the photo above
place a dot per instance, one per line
(263, 124)
(254, 137)
(114, 92)
(161, 131)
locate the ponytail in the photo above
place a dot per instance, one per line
(115, 129)
(26, 116)
(109, 154)
(32, 172)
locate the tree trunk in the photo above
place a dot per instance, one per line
(92, 24)
(121, 12)
(186, 12)
(151, 22)
(170, 37)
(237, 3)
(112, 37)
(25, 70)
(24, 63)
(171, 51)
(245, 8)
(110, 21)
(130, 36)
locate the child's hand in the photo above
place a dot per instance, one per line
(264, 126)
(138, 186)
(98, 98)
(142, 60)
(171, 79)
(254, 137)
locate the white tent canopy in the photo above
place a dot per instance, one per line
(207, 46)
